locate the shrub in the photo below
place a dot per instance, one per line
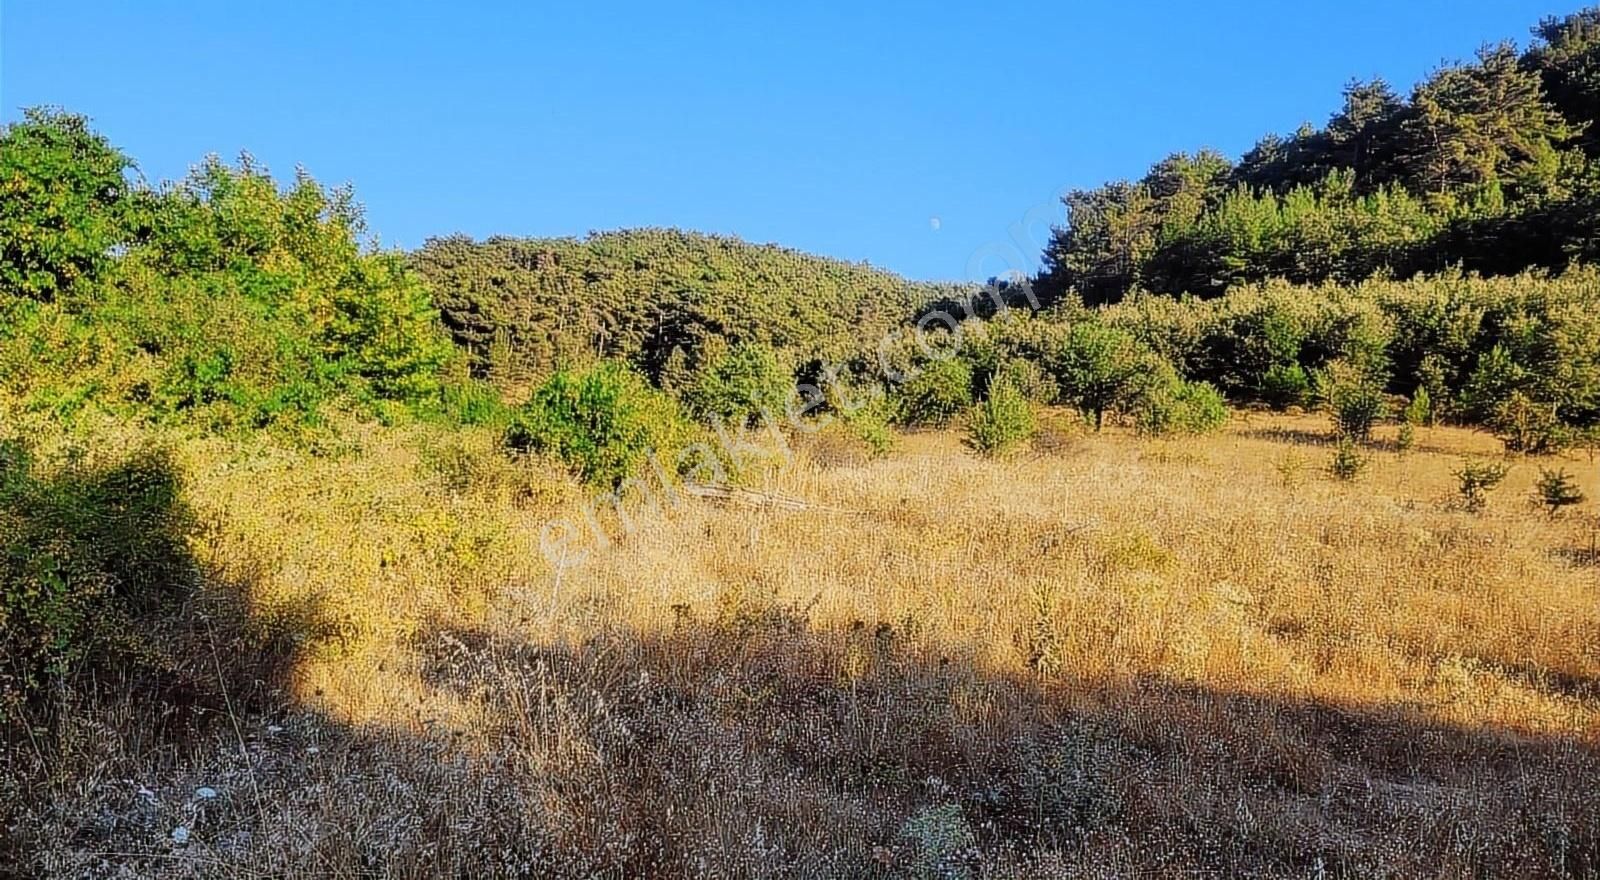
(1100, 369)
(1556, 489)
(603, 422)
(1285, 385)
(1028, 378)
(739, 384)
(88, 555)
(384, 329)
(1419, 411)
(936, 394)
(1002, 421)
(1526, 426)
(474, 402)
(1492, 382)
(869, 423)
(1355, 399)
(1406, 437)
(1179, 407)
(1476, 480)
(1348, 461)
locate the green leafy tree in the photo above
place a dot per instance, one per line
(63, 204)
(1101, 369)
(604, 422)
(740, 384)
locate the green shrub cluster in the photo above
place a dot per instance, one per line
(223, 301)
(604, 422)
(741, 384)
(936, 393)
(1001, 421)
(90, 555)
(1473, 344)
(1181, 407)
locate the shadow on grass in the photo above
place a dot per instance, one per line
(829, 746)
(753, 743)
(758, 745)
(117, 653)
(1328, 440)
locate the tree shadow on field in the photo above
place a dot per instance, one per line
(759, 745)
(1327, 439)
(751, 742)
(116, 650)
(756, 744)
(1292, 436)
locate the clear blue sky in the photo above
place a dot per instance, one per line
(912, 136)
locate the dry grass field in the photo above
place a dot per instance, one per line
(1107, 656)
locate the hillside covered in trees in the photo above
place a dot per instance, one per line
(655, 297)
(1489, 165)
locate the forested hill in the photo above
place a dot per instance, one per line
(1492, 165)
(521, 305)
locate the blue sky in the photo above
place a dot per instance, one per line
(930, 138)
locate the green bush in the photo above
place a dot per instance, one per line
(1100, 369)
(1028, 378)
(1285, 385)
(1348, 462)
(89, 556)
(1001, 421)
(1355, 399)
(1529, 427)
(1405, 438)
(739, 384)
(1179, 407)
(603, 422)
(935, 394)
(870, 423)
(1556, 490)
(474, 402)
(1492, 382)
(1419, 410)
(63, 204)
(1475, 480)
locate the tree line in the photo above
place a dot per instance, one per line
(1488, 165)
(1423, 247)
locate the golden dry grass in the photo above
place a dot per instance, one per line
(1117, 656)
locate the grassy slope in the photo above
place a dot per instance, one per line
(1140, 654)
